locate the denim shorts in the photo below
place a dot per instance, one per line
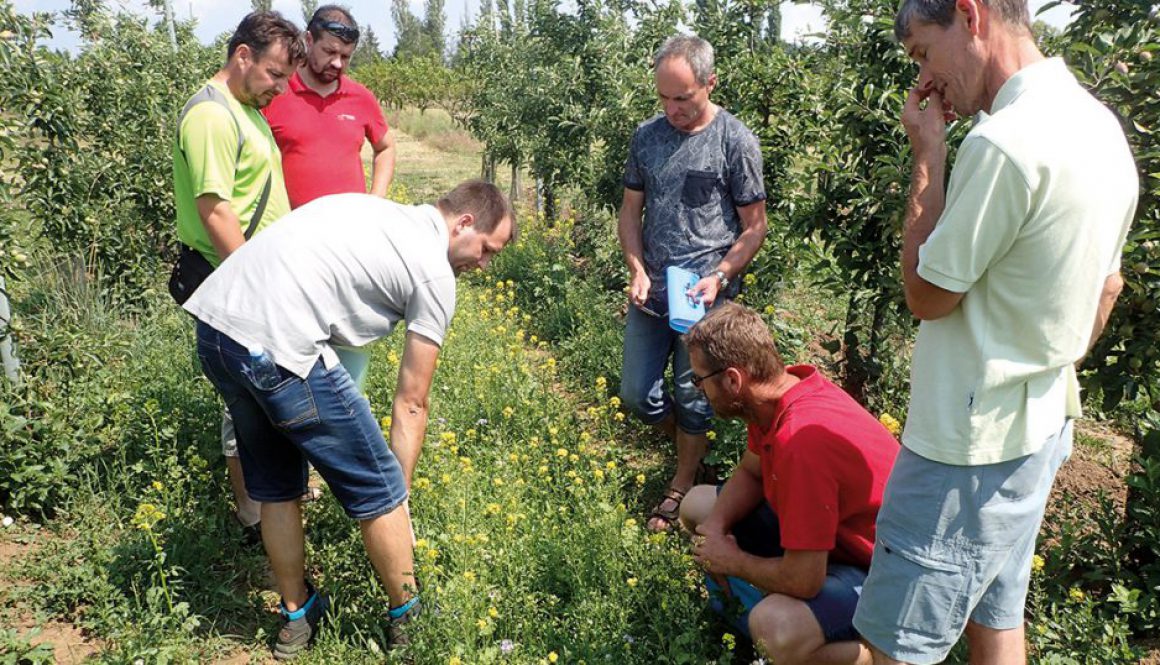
(759, 534)
(649, 342)
(322, 419)
(954, 544)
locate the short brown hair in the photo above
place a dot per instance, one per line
(261, 30)
(942, 14)
(483, 200)
(732, 335)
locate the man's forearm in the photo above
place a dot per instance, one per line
(382, 171)
(775, 575)
(1113, 285)
(224, 230)
(923, 208)
(742, 251)
(408, 429)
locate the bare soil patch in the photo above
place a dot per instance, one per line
(69, 643)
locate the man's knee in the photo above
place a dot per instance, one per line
(785, 629)
(697, 505)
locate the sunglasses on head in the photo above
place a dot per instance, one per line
(340, 30)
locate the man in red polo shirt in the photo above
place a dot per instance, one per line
(322, 121)
(790, 534)
(320, 125)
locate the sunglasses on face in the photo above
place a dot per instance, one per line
(698, 380)
(340, 30)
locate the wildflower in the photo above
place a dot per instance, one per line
(585, 436)
(493, 508)
(610, 465)
(393, 358)
(770, 310)
(469, 575)
(492, 612)
(508, 412)
(640, 479)
(497, 481)
(553, 657)
(614, 402)
(447, 437)
(499, 284)
(618, 417)
(511, 284)
(573, 458)
(598, 474)
(711, 435)
(750, 279)
(158, 486)
(506, 647)
(553, 432)
(422, 483)
(470, 433)
(1037, 563)
(445, 479)
(386, 422)
(1076, 594)
(561, 452)
(454, 660)
(482, 624)
(729, 640)
(890, 423)
(631, 582)
(629, 523)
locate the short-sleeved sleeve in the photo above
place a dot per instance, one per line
(209, 141)
(988, 200)
(633, 176)
(746, 184)
(431, 308)
(808, 494)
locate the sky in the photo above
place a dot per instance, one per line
(217, 16)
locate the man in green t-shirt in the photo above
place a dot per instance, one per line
(227, 170)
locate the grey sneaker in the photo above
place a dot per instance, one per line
(301, 626)
(399, 630)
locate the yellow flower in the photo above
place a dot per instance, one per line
(508, 412)
(631, 582)
(614, 402)
(561, 452)
(553, 657)
(750, 279)
(890, 423)
(618, 417)
(158, 486)
(640, 479)
(629, 523)
(770, 310)
(610, 465)
(493, 508)
(469, 575)
(482, 624)
(497, 481)
(447, 437)
(499, 284)
(386, 423)
(598, 474)
(422, 483)
(454, 660)
(1037, 563)
(492, 612)
(422, 544)
(1076, 594)
(711, 435)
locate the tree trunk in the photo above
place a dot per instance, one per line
(514, 194)
(854, 370)
(7, 350)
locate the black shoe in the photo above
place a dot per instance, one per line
(301, 626)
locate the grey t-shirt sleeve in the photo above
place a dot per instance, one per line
(431, 308)
(633, 175)
(746, 185)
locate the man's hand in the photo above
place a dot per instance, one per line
(926, 126)
(705, 290)
(716, 553)
(638, 288)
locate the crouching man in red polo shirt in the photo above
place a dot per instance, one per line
(789, 535)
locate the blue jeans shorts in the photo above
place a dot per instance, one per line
(833, 607)
(649, 342)
(322, 419)
(954, 544)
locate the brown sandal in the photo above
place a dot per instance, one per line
(668, 516)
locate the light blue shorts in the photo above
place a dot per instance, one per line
(954, 544)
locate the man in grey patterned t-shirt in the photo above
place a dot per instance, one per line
(694, 178)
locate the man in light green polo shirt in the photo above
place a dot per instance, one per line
(1013, 269)
(227, 170)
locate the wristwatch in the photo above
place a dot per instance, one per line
(722, 280)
